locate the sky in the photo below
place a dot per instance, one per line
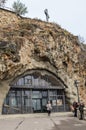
(69, 14)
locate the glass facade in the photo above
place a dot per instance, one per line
(29, 94)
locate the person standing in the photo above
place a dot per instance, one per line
(81, 109)
(49, 108)
(75, 106)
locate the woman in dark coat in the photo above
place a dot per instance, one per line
(75, 106)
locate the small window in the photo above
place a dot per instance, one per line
(44, 94)
(28, 80)
(20, 82)
(36, 94)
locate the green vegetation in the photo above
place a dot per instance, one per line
(19, 8)
(2, 3)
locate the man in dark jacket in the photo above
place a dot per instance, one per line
(75, 106)
(81, 109)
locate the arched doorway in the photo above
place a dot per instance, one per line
(30, 93)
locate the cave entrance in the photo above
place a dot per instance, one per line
(30, 93)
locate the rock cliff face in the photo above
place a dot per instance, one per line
(27, 44)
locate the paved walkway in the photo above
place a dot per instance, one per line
(57, 121)
(35, 115)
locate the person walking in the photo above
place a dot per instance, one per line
(49, 108)
(81, 109)
(75, 106)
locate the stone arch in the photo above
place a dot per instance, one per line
(52, 78)
(39, 70)
(4, 88)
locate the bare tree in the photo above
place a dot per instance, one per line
(2, 3)
(81, 39)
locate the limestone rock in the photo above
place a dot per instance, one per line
(30, 43)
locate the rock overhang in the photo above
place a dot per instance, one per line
(30, 43)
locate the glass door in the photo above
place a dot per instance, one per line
(44, 100)
(36, 105)
(26, 101)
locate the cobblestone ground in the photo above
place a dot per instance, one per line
(42, 123)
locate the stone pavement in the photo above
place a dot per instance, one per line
(36, 115)
(57, 121)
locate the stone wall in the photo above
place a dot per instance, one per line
(27, 44)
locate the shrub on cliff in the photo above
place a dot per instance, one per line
(19, 8)
(2, 2)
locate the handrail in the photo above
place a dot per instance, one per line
(7, 106)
